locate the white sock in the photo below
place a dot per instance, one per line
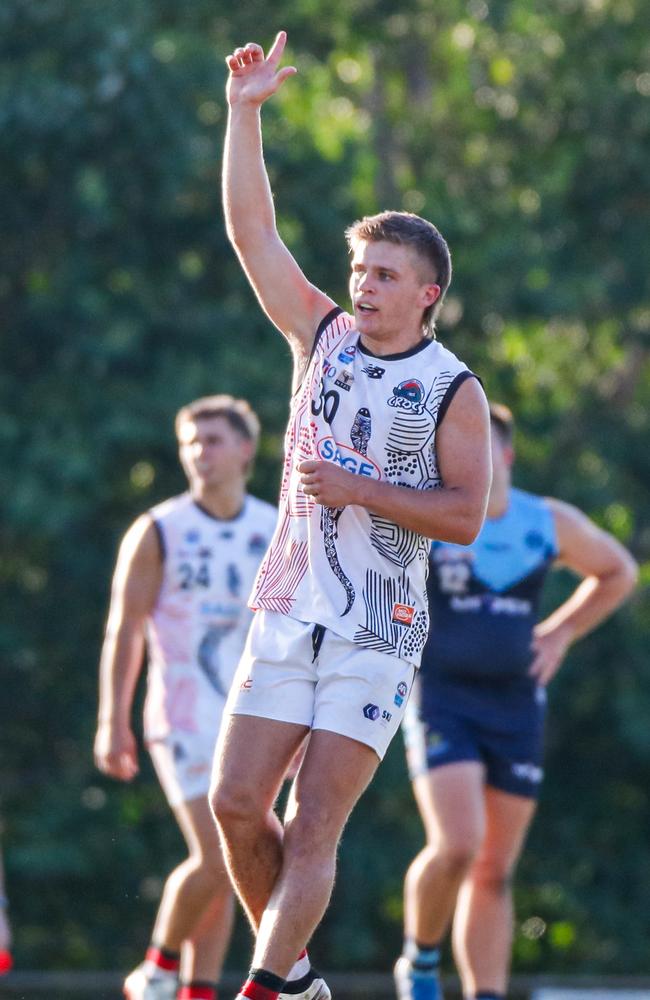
(299, 969)
(153, 971)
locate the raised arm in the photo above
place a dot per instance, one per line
(290, 301)
(136, 584)
(609, 575)
(453, 513)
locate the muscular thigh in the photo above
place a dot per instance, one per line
(508, 818)
(334, 773)
(451, 800)
(252, 758)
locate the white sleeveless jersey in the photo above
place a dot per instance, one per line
(198, 627)
(360, 575)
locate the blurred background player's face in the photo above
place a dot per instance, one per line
(212, 452)
(388, 289)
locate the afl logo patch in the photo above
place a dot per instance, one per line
(402, 614)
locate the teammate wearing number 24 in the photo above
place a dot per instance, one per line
(387, 447)
(182, 579)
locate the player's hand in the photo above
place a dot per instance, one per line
(254, 78)
(116, 751)
(549, 646)
(329, 484)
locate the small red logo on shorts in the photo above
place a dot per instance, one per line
(247, 684)
(403, 614)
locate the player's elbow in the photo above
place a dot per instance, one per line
(628, 574)
(466, 526)
(467, 532)
(240, 237)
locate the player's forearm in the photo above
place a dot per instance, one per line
(247, 196)
(446, 514)
(121, 662)
(592, 602)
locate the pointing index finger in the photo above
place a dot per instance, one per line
(276, 50)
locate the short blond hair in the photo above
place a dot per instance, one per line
(238, 412)
(407, 229)
(502, 420)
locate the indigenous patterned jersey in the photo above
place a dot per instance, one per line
(484, 597)
(199, 625)
(360, 575)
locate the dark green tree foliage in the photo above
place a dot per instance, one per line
(524, 136)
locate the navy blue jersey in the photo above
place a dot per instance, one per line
(484, 597)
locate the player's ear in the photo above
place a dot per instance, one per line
(431, 294)
(248, 449)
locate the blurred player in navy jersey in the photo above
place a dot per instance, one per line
(183, 575)
(474, 727)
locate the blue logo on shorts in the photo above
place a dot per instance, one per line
(371, 712)
(401, 693)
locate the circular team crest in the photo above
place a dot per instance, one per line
(408, 395)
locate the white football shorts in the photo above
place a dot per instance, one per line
(294, 671)
(183, 763)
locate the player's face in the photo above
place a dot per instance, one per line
(389, 292)
(212, 452)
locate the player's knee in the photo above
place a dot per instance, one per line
(232, 806)
(459, 855)
(492, 876)
(312, 834)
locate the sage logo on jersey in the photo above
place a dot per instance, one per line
(403, 614)
(371, 712)
(345, 456)
(408, 395)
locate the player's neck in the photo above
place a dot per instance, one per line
(498, 501)
(398, 342)
(224, 501)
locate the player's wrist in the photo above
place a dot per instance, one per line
(115, 721)
(245, 106)
(363, 491)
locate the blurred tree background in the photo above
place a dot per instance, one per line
(523, 131)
